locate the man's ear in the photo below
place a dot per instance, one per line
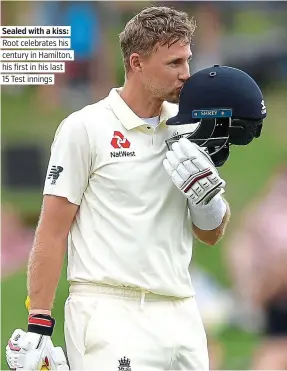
(136, 62)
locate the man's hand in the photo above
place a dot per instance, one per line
(193, 172)
(30, 351)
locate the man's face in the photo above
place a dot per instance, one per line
(165, 70)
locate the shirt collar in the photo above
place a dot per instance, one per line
(128, 118)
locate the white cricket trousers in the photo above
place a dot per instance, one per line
(104, 324)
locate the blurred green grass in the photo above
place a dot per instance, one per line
(246, 174)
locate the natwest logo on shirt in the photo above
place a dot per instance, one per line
(119, 141)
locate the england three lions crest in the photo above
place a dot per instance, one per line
(124, 364)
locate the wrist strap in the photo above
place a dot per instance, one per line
(210, 216)
(41, 324)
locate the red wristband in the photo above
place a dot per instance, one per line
(41, 324)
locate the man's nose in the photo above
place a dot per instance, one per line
(185, 73)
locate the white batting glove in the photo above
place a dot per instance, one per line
(193, 172)
(30, 351)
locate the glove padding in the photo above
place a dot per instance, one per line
(193, 172)
(31, 351)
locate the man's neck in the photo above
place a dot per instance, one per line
(140, 101)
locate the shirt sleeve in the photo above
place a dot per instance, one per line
(70, 161)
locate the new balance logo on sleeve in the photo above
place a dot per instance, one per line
(55, 173)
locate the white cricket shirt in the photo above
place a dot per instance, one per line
(132, 227)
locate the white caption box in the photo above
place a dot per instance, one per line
(43, 79)
(35, 31)
(36, 55)
(20, 67)
(35, 43)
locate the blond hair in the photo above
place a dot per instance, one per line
(154, 25)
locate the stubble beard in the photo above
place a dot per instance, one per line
(172, 97)
(162, 94)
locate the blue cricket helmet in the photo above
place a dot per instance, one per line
(229, 106)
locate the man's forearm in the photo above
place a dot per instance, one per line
(44, 269)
